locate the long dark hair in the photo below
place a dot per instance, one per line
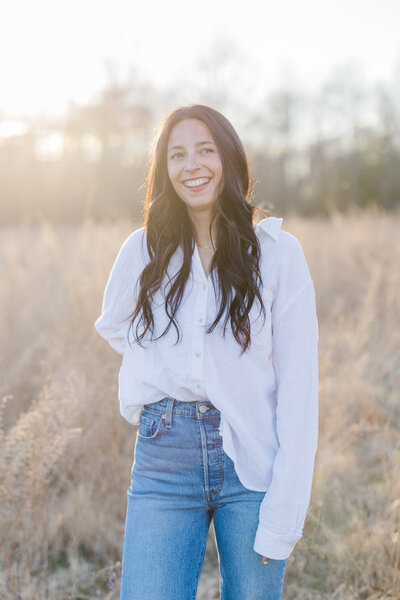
(168, 225)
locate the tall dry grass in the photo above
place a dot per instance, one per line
(66, 453)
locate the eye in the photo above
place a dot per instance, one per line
(208, 150)
(174, 155)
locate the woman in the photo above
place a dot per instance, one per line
(216, 320)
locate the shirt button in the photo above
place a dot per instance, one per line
(204, 286)
(198, 354)
(197, 387)
(200, 319)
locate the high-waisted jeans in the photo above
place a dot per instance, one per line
(181, 479)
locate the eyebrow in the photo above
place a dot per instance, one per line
(197, 144)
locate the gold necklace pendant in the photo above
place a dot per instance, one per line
(200, 246)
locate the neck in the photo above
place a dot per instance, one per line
(201, 226)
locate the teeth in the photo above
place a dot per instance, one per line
(196, 182)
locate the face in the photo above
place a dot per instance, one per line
(194, 165)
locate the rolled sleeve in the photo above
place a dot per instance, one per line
(295, 360)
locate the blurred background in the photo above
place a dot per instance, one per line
(313, 89)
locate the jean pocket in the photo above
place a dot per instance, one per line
(150, 425)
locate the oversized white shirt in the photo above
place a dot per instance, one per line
(268, 397)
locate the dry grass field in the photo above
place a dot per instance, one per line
(66, 454)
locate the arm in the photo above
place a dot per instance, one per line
(295, 361)
(120, 293)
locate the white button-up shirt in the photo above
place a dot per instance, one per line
(268, 397)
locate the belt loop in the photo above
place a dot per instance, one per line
(168, 413)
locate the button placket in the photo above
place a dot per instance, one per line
(198, 338)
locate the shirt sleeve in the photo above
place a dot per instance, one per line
(295, 361)
(119, 297)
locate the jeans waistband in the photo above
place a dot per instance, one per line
(195, 408)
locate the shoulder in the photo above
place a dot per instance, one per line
(282, 256)
(275, 240)
(269, 227)
(132, 256)
(136, 238)
(134, 246)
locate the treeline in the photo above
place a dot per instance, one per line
(310, 154)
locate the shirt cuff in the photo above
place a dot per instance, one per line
(274, 545)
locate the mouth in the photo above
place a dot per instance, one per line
(198, 184)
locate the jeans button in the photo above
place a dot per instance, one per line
(203, 408)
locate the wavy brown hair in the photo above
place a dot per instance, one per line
(168, 225)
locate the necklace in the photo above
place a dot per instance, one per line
(198, 245)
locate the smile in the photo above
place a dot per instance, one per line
(196, 182)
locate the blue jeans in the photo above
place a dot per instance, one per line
(181, 479)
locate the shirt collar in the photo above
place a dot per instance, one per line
(271, 226)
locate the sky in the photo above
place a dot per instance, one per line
(52, 53)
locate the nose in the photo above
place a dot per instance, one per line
(191, 162)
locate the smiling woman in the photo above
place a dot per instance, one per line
(224, 433)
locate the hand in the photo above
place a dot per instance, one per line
(265, 560)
